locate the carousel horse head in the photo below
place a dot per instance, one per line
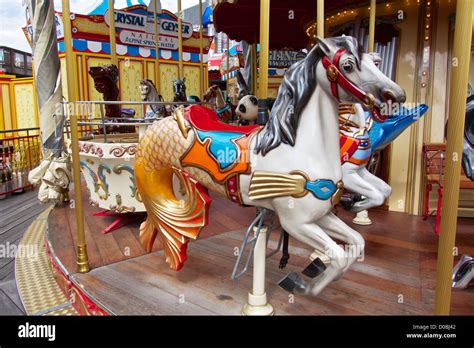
(105, 79)
(211, 93)
(338, 67)
(147, 90)
(179, 89)
(353, 76)
(148, 93)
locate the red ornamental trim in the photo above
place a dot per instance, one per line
(79, 300)
(233, 189)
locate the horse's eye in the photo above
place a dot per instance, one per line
(348, 66)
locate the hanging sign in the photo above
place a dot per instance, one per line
(145, 23)
(127, 20)
(284, 58)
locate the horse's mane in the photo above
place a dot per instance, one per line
(295, 90)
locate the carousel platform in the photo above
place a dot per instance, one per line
(397, 276)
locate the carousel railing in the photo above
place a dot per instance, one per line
(89, 124)
(20, 151)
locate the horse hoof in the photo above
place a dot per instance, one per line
(315, 268)
(283, 262)
(293, 283)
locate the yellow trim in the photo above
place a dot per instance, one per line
(264, 47)
(13, 106)
(112, 38)
(2, 120)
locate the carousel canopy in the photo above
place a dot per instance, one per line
(240, 19)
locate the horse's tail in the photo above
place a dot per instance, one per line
(173, 217)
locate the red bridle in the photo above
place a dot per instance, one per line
(336, 78)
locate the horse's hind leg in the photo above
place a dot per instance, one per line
(381, 185)
(355, 183)
(314, 236)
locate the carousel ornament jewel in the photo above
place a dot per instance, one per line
(301, 136)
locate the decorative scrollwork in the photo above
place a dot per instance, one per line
(125, 167)
(119, 208)
(93, 149)
(119, 151)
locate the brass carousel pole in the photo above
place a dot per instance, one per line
(373, 5)
(113, 44)
(82, 258)
(157, 50)
(201, 75)
(264, 43)
(71, 95)
(257, 303)
(320, 18)
(457, 106)
(180, 41)
(228, 66)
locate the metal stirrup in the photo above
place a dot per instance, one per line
(258, 221)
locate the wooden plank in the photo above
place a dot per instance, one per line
(10, 289)
(7, 306)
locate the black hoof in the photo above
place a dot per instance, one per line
(315, 268)
(284, 261)
(292, 282)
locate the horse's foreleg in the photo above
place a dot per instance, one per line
(337, 229)
(315, 237)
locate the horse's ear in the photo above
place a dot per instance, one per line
(324, 45)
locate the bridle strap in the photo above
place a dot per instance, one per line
(336, 78)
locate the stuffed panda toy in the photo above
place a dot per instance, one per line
(247, 110)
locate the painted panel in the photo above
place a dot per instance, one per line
(25, 105)
(64, 77)
(7, 111)
(168, 72)
(131, 72)
(150, 71)
(192, 80)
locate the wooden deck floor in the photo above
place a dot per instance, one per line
(396, 277)
(17, 212)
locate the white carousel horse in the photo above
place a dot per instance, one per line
(290, 166)
(148, 93)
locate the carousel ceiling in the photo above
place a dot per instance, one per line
(240, 19)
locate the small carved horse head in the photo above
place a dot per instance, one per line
(179, 89)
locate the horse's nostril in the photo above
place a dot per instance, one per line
(389, 97)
